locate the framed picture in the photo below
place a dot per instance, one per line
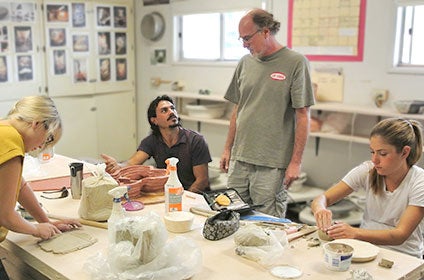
(25, 68)
(22, 12)
(103, 43)
(5, 11)
(120, 17)
(103, 15)
(104, 69)
(57, 13)
(4, 73)
(4, 39)
(80, 70)
(23, 39)
(80, 43)
(120, 43)
(57, 37)
(78, 15)
(59, 62)
(121, 69)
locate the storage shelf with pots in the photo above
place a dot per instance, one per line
(352, 123)
(200, 108)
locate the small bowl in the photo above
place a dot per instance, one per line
(178, 221)
(409, 106)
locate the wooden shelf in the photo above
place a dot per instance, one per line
(355, 110)
(341, 137)
(194, 95)
(179, 95)
(363, 110)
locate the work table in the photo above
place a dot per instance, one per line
(219, 258)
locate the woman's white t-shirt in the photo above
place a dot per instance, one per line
(384, 211)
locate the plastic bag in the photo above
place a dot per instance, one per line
(96, 203)
(259, 245)
(178, 258)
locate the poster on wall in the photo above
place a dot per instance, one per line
(103, 16)
(25, 68)
(4, 74)
(4, 39)
(78, 15)
(23, 12)
(327, 30)
(121, 69)
(104, 69)
(23, 39)
(119, 17)
(80, 43)
(103, 43)
(57, 13)
(80, 70)
(57, 37)
(120, 43)
(59, 62)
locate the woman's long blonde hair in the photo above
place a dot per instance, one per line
(38, 108)
(399, 133)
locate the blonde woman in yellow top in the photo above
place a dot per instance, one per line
(31, 124)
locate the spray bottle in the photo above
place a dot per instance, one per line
(118, 212)
(173, 187)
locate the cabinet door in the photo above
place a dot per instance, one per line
(90, 48)
(79, 138)
(21, 56)
(116, 124)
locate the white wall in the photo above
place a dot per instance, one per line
(334, 158)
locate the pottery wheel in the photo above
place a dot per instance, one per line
(67, 242)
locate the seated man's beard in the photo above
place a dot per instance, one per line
(174, 125)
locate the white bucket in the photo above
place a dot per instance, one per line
(338, 256)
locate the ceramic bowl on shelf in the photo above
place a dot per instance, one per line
(409, 106)
(206, 109)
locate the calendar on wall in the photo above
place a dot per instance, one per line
(327, 30)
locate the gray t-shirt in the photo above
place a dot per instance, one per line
(267, 92)
(191, 149)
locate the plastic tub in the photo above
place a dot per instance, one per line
(338, 256)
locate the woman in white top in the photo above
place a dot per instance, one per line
(394, 189)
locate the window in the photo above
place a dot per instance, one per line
(409, 36)
(209, 37)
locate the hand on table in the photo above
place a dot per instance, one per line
(46, 230)
(67, 224)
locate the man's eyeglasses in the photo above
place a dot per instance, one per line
(247, 38)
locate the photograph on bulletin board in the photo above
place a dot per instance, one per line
(326, 30)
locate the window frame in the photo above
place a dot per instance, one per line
(396, 55)
(177, 45)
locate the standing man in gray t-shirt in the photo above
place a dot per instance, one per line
(269, 126)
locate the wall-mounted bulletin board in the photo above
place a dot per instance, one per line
(327, 30)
